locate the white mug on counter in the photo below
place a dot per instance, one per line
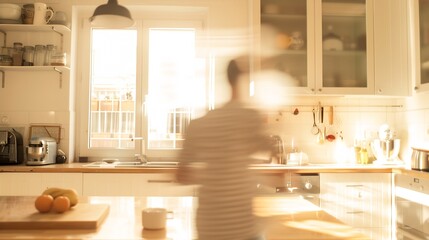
(42, 14)
(154, 218)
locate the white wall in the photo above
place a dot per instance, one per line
(415, 123)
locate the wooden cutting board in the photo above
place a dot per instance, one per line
(25, 216)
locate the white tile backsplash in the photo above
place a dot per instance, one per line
(353, 117)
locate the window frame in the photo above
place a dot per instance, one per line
(163, 18)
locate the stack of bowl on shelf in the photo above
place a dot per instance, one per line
(10, 13)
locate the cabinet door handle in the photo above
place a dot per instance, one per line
(354, 185)
(161, 181)
(355, 212)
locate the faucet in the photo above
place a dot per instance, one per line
(277, 150)
(140, 158)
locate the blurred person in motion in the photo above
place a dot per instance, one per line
(216, 155)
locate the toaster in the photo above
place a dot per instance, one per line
(11, 147)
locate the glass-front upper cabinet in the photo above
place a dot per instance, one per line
(420, 41)
(342, 44)
(288, 39)
(323, 45)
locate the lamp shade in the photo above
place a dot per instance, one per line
(111, 15)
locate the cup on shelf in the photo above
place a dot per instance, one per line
(28, 13)
(42, 14)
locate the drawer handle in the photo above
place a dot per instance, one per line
(160, 181)
(354, 185)
(355, 212)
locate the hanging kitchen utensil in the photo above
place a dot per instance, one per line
(321, 136)
(322, 129)
(330, 135)
(314, 130)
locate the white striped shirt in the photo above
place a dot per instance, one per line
(223, 141)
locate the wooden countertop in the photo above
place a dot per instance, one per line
(312, 168)
(281, 218)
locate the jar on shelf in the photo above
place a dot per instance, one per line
(5, 60)
(28, 58)
(59, 59)
(50, 50)
(39, 55)
(28, 13)
(4, 51)
(17, 54)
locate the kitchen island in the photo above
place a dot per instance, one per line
(281, 218)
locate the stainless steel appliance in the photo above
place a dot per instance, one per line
(41, 151)
(386, 148)
(11, 147)
(304, 185)
(419, 159)
(412, 207)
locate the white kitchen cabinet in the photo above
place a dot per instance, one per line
(134, 184)
(361, 200)
(348, 48)
(29, 183)
(391, 48)
(419, 43)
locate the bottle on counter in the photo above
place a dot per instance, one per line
(363, 155)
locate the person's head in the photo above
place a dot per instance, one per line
(238, 72)
(236, 68)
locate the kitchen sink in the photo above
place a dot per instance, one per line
(118, 164)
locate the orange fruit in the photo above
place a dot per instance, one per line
(44, 203)
(61, 204)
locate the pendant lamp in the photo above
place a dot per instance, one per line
(111, 15)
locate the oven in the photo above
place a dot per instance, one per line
(412, 207)
(303, 185)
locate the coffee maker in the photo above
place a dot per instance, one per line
(11, 147)
(41, 151)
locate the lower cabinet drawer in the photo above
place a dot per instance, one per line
(117, 184)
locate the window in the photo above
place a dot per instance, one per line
(143, 86)
(174, 85)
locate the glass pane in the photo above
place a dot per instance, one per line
(344, 43)
(113, 88)
(176, 85)
(284, 29)
(424, 40)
